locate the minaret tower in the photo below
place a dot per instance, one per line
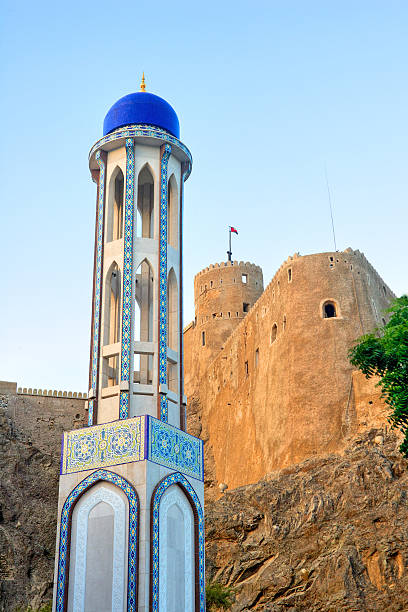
(130, 516)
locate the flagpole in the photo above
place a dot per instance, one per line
(229, 253)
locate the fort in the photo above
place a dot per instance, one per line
(269, 369)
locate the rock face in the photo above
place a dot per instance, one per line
(328, 534)
(30, 445)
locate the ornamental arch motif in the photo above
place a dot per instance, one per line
(65, 536)
(178, 480)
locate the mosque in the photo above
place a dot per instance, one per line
(130, 533)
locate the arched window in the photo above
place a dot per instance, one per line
(112, 324)
(145, 204)
(172, 311)
(172, 213)
(329, 310)
(274, 333)
(172, 328)
(143, 321)
(115, 208)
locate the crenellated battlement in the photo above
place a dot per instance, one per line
(229, 264)
(51, 393)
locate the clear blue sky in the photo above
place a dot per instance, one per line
(267, 93)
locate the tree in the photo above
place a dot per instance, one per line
(384, 353)
(218, 596)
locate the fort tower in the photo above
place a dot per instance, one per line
(130, 528)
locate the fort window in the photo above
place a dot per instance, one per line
(229, 315)
(245, 307)
(211, 284)
(331, 258)
(385, 291)
(290, 275)
(246, 369)
(237, 314)
(256, 357)
(284, 321)
(214, 314)
(274, 333)
(329, 310)
(203, 338)
(245, 278)
(145, 204)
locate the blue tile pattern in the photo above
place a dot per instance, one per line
(103, 445)
(174, 479)
(63, 559)
(173, 448)
(98, 284)
(133, 131)
(165, 154)
(126, 360)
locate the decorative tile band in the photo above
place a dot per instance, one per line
(130, 440)
(167, 482)
(125, 361)
(63, 559)
(175, 449)
(103, 445)
(98, 284)
(133, 131)
(165, 154)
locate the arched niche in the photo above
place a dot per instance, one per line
(99, 535)
(145, 203)
(163, 515)
(111, 323)
(172, 213)
(116, 191)
(144, 290)
(65, 543)
(176, 540)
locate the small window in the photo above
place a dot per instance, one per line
(256, 357)
(274, 333)
(246, 369)
(237, 314)
(284, 322)
(203, 338)
(331, 258)
(385, 291)
(220, 281)
(245, 278)
(290, 275)
(214, 314)
(211, 284)
(220, 314)
(245, 307)
(229, 315)
(329, 310)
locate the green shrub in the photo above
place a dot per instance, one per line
(218, 596)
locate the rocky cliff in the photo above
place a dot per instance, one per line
(328, 534)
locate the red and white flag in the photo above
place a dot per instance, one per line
(233, 230)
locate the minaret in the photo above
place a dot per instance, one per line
(130, 531)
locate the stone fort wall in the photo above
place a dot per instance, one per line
(281, 388)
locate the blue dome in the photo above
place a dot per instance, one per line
(142, 107)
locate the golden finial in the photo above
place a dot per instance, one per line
(143, 84)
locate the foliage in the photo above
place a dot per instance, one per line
(45, 608)
(384, 353)
(218, 596)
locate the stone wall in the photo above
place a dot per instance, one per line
(281, 389)
(30, 445)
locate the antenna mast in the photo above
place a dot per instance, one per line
(331, 208)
